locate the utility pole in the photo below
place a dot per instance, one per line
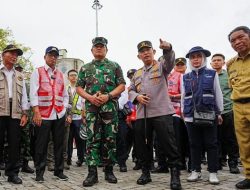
(96, 6)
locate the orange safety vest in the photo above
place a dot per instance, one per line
(174, 85)
(50, 92)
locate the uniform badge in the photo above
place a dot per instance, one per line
(20, 78)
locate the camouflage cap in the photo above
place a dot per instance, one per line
(180, 60)
(12, 47)
(99, 40)
(144, 44)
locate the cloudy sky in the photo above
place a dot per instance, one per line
(70, 24)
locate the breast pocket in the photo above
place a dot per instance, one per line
(233, 77)
(155, 78)
(109, 78)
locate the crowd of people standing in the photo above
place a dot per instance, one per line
(166, 113)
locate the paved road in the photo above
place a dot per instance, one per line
(125, 180)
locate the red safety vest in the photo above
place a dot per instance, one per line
(174, 85)
(50, 92)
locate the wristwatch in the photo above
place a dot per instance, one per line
(110, 96)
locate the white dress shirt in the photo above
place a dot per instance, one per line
(34, 86)
(9, 75)
(123, 99)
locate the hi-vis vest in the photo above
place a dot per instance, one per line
(174, 83)
(50, 92)
(74, 99)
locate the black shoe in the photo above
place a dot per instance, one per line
(79, 163)
(92, 178)
(245, 184)
(234, 170)
(175, 183)
(144, 179)
(2, 166)
(61, 176)
(137, 166)
(109, 175)
(27, 169)
(39, 179)
(15, 179)
(69, 162)
(160, 169)
(123, 168)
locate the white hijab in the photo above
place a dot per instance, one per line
(203, 64)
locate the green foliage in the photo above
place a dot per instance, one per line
(6, 37)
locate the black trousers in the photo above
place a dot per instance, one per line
(41, 144)
(199, 136)
(80, 144)
(12, 126)
(121, 140)
(228, 144)
(163, 127)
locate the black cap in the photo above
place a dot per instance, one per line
(12, 47)
(198, 49)
(131, 72)
(144, 44)
(180, 60)
(52, 49)
(99, 40)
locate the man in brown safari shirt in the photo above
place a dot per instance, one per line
(148, 90)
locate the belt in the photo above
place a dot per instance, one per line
(243, 100)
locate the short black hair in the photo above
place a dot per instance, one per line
(218, 54)
(244, 28)
(72, 70)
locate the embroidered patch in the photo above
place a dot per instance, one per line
(20, 78)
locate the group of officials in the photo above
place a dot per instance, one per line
(169, 104)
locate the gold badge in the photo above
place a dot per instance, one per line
(20, 78)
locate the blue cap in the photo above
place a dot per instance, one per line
(198, 49)
(52, 49)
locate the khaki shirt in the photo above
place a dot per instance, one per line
(152, 81)
(238, 69)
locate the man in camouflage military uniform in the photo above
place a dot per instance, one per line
(25, 137)
(100, 83)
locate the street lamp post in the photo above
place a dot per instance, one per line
(96, 6)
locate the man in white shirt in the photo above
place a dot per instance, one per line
(75, 114)
(13, 109)
(49, 100)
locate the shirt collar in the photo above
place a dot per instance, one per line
(150, 66)
(2, 67)
(48, 67)
(239, 57)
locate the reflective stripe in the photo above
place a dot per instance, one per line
(44, 103)
(59, 98)
(78, 112)
(208, 95)
(58, 103)
(188, 97)
(41, 98)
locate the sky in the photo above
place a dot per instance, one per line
(70, 24)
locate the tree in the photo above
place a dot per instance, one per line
(6, 37)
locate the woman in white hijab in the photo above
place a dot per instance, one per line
(202, 96)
